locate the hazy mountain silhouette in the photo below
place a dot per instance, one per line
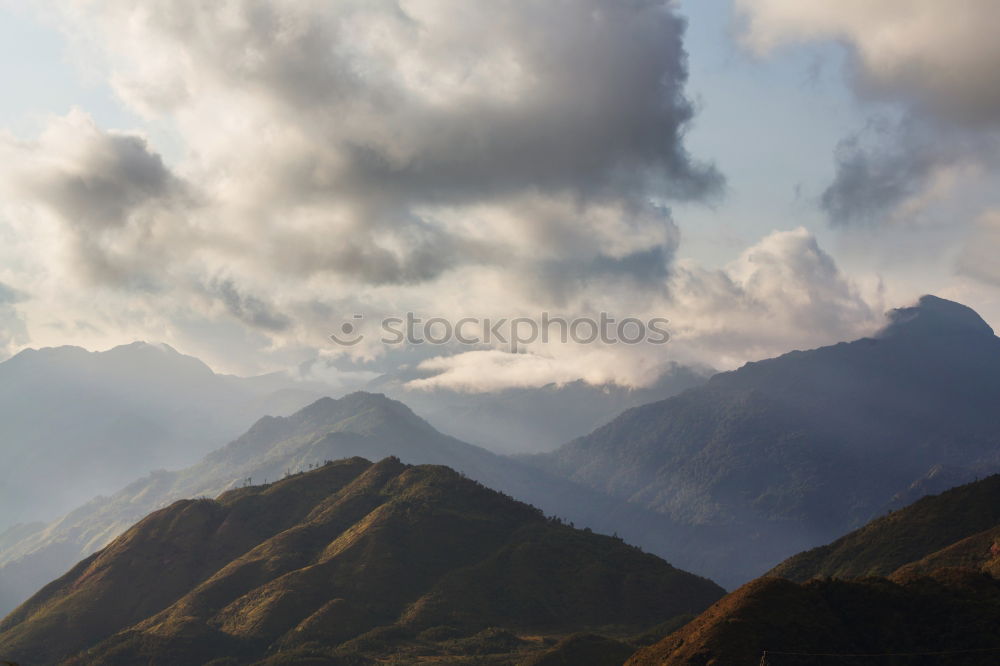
(531, 420)
(350, 560)
(791, 452)
(360, 424)
(76, 423)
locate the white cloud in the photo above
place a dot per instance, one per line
(338, 135)
(782, 293)
(942, 57)
(492, 370)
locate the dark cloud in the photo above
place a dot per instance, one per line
(114, 175)
(878, 169)
(248, 308)
(112, 195)
(889, 163)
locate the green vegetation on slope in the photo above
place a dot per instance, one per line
(941, 557)
(360, 424)
(932, 524)
(952, 610)
(351, 561)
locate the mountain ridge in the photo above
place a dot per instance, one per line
(331, 555)
(924, 579)
(792, 452)
(906, 537)
(360, 424)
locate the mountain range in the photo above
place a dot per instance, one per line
(787, 453)
(726, 479)
(357, 563)
(75, 423)
(351, 562)
(521, 420)
(360, 424)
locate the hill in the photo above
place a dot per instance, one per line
(956, 528)
(360, 424)
(952, 611)
(921, 579)
(784, 454)
(350, 560)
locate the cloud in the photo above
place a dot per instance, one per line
(978, 257)
(110, 194)
(13, 333)
(941, 58)
(782, 293)
(248, 308)
(493, 370)
(341, 157)
(348, 137)
(937, 62)
(891, 172)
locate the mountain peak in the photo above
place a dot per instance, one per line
(933, 316)
(385, 411)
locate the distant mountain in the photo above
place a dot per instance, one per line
(952, 614)
(791, 452)
(360, 424)
(76, 423)
(347, 563)
(958, 528)
(531, 420)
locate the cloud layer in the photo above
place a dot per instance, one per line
(441, 156)
(388, 143)
(782, 293)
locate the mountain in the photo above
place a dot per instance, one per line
(788, 453)
(76, 423)
(949, 618)
(958, 528)
(350, 561)
(360, 424)
(532, 419)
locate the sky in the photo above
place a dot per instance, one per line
(240, 178)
